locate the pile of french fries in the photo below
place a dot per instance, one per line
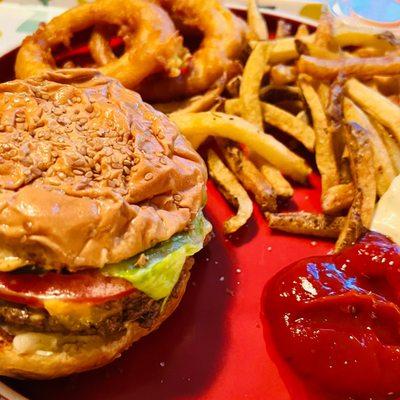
(334, 94)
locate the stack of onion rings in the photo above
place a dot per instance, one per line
(154, 58)
(224, 38)
(150, 37)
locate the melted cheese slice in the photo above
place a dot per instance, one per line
(387, 214)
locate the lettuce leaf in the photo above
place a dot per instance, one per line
(164, 262)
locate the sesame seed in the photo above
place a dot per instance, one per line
(148, 176)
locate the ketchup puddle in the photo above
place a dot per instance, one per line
(336, 320)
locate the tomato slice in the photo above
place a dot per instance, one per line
(86, 286)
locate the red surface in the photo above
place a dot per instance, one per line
(336, 317)
(213, 347)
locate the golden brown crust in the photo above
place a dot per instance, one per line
(224, 39)
(95, 353)
(90, 174)
(150, 39)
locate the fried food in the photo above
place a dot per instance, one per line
(136, 18)
(198, 103)
(324, 36)
(289, 124)
(353, 227)
(198, 126)
(352, 66)
(223, 41)
(383, 110)
(231, 190)
(338, 198)
(324, 148)
(384, 171)
(302, 31)
(357, 38)
(362, 169)
(248, 174)
(311, 49)
(305, 223)
(281, 186)
(361, 211)
(283, 74)
(392, 145)
(249, 91)
(257, 24)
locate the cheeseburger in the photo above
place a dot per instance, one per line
(100, 212)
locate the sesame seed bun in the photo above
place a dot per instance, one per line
(91, 174)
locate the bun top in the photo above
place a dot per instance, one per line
(89, 173)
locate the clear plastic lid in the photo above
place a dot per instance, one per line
(376, 14)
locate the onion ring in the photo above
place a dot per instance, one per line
(150, 37)
(224, 38)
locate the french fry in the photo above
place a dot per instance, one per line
(365, 52)
(233, 107)
(233, 86)
(285, 50)
(283, 74)
(338, 198)
(353, 226)
(253, 73)
(385, 41)
(198, 126)
(248, 174)
(281, 186)
(384, 172)
(302, 31)
(257, 24)
(355, 66)
(324, 149)
(194, 104)
(311, 49)
(302, 116)
(305, 223)
(335, 114)
(392, 146)
(324, 37)
(388, 85)
(323, 91)
(362, 169)
(232, 191)
(289, 124)
(375, 104)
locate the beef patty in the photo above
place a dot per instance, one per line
(105, 319)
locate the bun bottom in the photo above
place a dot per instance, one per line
(81, 353)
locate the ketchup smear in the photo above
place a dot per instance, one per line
(336, 318)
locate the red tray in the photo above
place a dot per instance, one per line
(214, 346)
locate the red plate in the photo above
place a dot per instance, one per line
(214, 346)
